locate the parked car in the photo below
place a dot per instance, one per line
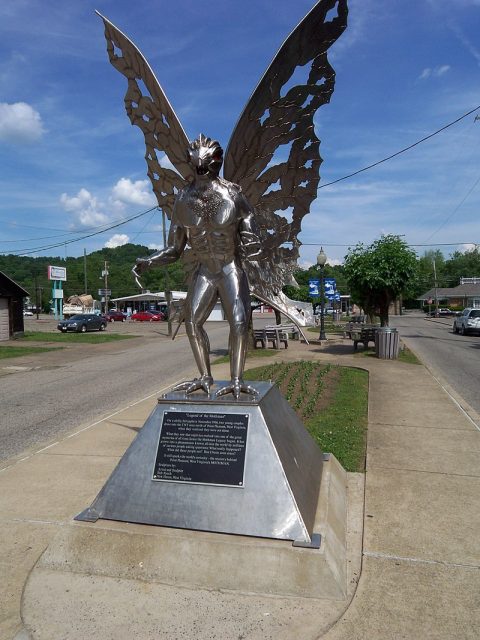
(442, 312)
(327, 312)
(147, 316)
(468, 322)
(28, 313)
(115, 316)
(83, 322)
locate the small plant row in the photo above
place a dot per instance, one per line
(317, 391)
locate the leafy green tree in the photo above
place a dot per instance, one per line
(466, 265)
(302, 276)
(431, 264)
(32, 273)
(380, 273)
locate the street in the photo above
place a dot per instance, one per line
(453, 357)
(66, 393)
(48, 395)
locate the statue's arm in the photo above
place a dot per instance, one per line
(177, 239)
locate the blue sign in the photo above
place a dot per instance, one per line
(314, 287)
(330, 288)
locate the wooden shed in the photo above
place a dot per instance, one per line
(11, 307)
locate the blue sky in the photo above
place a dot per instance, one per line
(72, 162)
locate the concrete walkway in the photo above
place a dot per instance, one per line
(420, 573)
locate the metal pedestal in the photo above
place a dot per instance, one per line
(274, 468)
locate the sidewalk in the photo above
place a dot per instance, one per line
(421, 549)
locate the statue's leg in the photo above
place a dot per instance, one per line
(200, 301)
(235, 296)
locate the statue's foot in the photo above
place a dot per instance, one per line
(189, 386)
(236, 386)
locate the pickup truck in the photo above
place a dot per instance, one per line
(468, 322)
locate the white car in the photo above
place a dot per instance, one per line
(28, 313)
(468, 322)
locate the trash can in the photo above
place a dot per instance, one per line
(386, 343)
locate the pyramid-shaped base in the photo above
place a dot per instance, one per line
(244, 466)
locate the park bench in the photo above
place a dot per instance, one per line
(363, 335)
(290, 329)
(275, 336)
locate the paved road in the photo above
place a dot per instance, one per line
(456, 358)
(75, 387)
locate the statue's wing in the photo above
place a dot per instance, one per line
(164, 135)
(274, 152)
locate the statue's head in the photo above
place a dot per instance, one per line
(206, 156)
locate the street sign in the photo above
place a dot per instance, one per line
(105, 292)
(57, 273)
(314, 287)
(330, 288)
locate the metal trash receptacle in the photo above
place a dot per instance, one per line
(386, 343)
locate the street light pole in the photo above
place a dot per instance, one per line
(321, 260)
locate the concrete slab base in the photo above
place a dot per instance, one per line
(160, 582)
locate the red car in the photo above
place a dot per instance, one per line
(147, 316)
(115, 316)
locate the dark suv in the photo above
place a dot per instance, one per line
(82, 322)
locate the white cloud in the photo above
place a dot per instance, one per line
(436, 72)
(85, 208)
(467, 247)
(466, 42)
(440, 71)
(117, 240)
(89, 211)
(20, 123)
(138, 192)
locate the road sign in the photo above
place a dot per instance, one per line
(104, 292)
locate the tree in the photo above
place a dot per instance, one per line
(466, 264)
(302, 276)
(380, 273)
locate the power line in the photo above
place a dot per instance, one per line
(397, 153)
(106, 226)
(434, 244)
(472, 188)
(350, 175)
(89, 235)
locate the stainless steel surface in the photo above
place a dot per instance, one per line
(153, 114)
(282, 477)
(237, 239)
(386, 343)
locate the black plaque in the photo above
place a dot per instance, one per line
(203, 448)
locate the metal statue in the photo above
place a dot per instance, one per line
(228, 228)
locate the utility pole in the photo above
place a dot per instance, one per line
(36, 295)
(435, 284)
(105, 275)
(85, 290)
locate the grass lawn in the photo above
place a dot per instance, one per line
(91, 337)
(404, 355)
(329, 326)
(13, 352)
(331, 401)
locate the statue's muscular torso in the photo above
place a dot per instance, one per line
(211, 217)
